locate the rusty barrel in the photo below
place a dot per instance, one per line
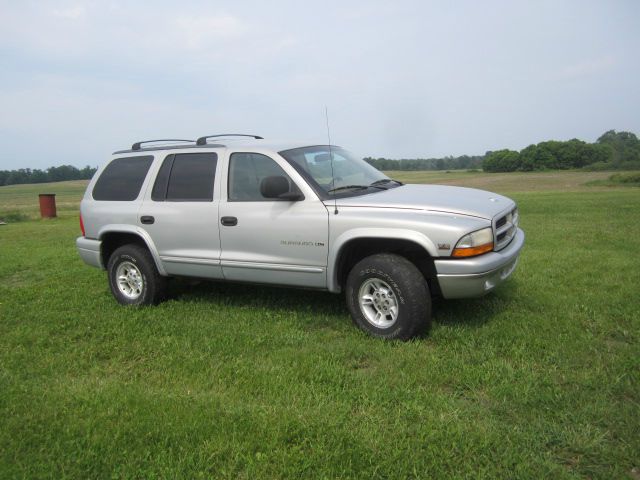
(47, 205)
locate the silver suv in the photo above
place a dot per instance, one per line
(230, 207)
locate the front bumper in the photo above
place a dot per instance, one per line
(477, 276)
(89, 251)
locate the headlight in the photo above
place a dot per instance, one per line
(513, 217)
(475, 243)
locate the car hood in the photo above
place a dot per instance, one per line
(438, 198)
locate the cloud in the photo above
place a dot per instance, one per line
(72, 13)
(406, 79)
(204, 32)
(589, 67)
(109, 31)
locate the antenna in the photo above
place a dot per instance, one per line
(333, 177)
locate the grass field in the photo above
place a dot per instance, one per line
(539, 380)
(24, 198)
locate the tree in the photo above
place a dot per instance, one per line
(625, 146)
(52, 174)
(501, 161)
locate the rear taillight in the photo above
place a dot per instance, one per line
(82, 225)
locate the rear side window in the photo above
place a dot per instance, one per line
(186, 177)
(122, 179)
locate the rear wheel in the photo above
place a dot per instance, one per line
(134, 278)
(388, 297)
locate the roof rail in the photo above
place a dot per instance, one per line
(203, 140)
(138, 145)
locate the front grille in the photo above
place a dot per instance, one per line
(505, 227)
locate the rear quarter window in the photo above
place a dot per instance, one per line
(122, 179)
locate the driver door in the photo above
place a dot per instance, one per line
(267, 240)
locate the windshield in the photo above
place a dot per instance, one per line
(346, 175)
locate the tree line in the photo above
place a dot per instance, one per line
(446, 163)
(51, 174)
(613, 150)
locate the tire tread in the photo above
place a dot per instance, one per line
(415, 312)
(155, 284)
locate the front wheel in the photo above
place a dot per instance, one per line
(388, 297)
(134, 278)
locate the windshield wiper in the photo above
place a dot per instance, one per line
(385, 180)
(348, 187)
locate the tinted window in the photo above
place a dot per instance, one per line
(246, 171)
(186, 177)
(159, 192)
(122, 179)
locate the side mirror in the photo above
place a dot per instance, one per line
(278, 187)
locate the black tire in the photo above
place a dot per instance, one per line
(143, 284)
(391, 281)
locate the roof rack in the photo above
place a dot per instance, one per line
(138, 145)
(203, 140)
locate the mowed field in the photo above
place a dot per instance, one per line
(540, 379)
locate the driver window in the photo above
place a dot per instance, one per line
(246, 171)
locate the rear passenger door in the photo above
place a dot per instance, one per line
(180, 213)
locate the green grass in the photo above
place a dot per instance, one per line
(538, 380)
(630, 179)
(18, 201)
(513, 182)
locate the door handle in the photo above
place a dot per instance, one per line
(229, 221)
(147, 219)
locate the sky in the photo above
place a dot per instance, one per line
(403, 79)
